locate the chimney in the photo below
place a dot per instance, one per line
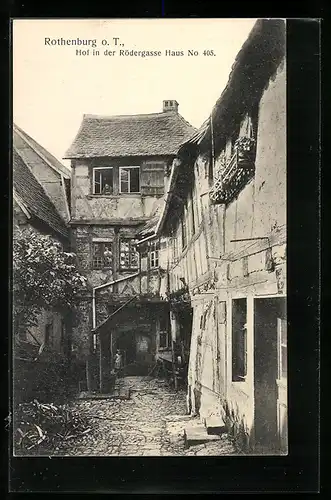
(170, 106)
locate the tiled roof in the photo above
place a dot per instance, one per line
(34, 197)
(130, 135)
(40, 150)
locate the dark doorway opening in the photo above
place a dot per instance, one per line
(126, 342)
(182, 347)
(267, 312)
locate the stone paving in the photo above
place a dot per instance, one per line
(150, 423)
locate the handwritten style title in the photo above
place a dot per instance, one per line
(82, 42)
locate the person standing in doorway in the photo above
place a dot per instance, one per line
(118, 363)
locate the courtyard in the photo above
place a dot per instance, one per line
(150, 423)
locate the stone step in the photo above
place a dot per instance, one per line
(117, 394)
(197, 434)
(215, 425)
(177, 418)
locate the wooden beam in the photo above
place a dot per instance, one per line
(109, 222)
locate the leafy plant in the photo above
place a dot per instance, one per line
(44, 276)
(44, 427)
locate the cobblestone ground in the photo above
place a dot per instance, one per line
(150, 423)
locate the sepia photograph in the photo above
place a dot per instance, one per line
(149, 237)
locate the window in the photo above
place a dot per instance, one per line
(239, 340)
(192, 218)
(129, 257)
(164, 340)
(282, 347)
(130, 179)
(164, 333)
(154, 254)
(102, 255)
(103, 180)
(184, 232)
(49, 334)
(63, 332)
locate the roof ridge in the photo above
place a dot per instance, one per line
(138, 115)
(186, 122)
(34, 145)
(130, 135)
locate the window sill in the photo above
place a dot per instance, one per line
(113, 196)
(240, 380)
(102, 269)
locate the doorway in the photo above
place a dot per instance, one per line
(268, 312)
(126, 342)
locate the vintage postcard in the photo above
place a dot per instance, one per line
(149, 237)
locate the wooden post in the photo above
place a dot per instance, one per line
(173, 365)
(101, 363)
(88, 374)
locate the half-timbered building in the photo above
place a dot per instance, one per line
(222, 230)
(120, 171)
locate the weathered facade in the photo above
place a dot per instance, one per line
(40, 204)
(120, 170)
(223, 230)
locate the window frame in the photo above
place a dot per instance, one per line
(239, 334)
(164, 331)
(193, 221)
(128, 167)
(94, 168)
(103, 243)
(281, 346)
(154, 254)
(184, 230)
(49, 334)
(131, 242)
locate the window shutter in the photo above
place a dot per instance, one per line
(152, 178)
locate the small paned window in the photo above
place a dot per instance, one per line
(129, 256)
(154, 254)
(102, 255)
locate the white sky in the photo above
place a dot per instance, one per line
(53, 88)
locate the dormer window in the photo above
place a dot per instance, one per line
(103, 182)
